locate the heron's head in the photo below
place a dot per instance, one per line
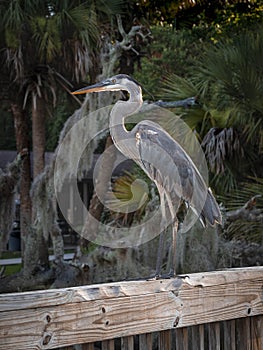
(116, 83)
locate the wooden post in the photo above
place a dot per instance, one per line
(107, 345)
(145, 341)
(165, 339)
(214, 336)
(201, 336)
(257, 333)
(229, 330)
(127, 343)
(88, 346)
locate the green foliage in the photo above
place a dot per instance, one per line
(186, 14)
(46, 36)
(12, 269)
(128, 198)
(176, 51)
(49, 32)
(243, 228)
(222, 68)
(171, 51)
(56, 121)
(7, 139)
(11, 38)
(238, 15)
(227, 81)
(47, 45)
(231, 75)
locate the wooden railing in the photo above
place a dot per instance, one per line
(212, 310)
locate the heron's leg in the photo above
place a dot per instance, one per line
(172, 272)
(173, 207)
(159, 255)
(161, 238)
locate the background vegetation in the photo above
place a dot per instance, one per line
(209, 50)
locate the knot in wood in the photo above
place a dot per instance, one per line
(46, 338)
(176, 321)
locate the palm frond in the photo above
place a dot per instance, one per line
(43, 82)
(110, 8)
(128, 198)
(128, 194)
(235, 199)
(47, 38)
(244, 229)
(234, 76)
(220, 145)
(224, 182)
(15, 62)
(13, 15)
(177, 88)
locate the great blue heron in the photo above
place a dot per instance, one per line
(148, 141)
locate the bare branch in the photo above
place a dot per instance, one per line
(113, 50)
(248, 212)
(187, 102)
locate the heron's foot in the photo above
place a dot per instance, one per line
(170, 274)
(159, 276)
(154, 277)
(182, 276)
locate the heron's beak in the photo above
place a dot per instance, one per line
(102, 86)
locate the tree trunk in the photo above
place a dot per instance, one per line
(103, 180)
(22, 142)
(38, 136)
(34, 248)
(8, 188)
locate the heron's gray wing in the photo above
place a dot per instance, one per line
(169, 166)
(164, 159)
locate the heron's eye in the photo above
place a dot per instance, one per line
(113, 81)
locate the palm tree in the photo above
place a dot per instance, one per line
(228, 84)
(228, 118)
(45, 45)
(38, 36)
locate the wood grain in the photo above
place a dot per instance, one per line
(257, 333)
(165, 339)
(107, 345)
(145, 341)
(55, 318)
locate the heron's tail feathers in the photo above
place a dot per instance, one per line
(211, 212)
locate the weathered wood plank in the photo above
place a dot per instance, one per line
(145, 341)
(43, 298)
(194, 337)
(165, 339)
(127, 343)
(46, 328)
(63, 296)
(89, 346)
(201, 336)
(214, 336)
(229, 338)
(107, 345)
(257, 333)
(181, 338)
(204, 302)
(243, 334)
(56, 318)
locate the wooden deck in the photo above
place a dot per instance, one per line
(59, 318)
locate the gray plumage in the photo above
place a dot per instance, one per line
(160, 156)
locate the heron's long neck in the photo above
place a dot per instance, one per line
(119, 133)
